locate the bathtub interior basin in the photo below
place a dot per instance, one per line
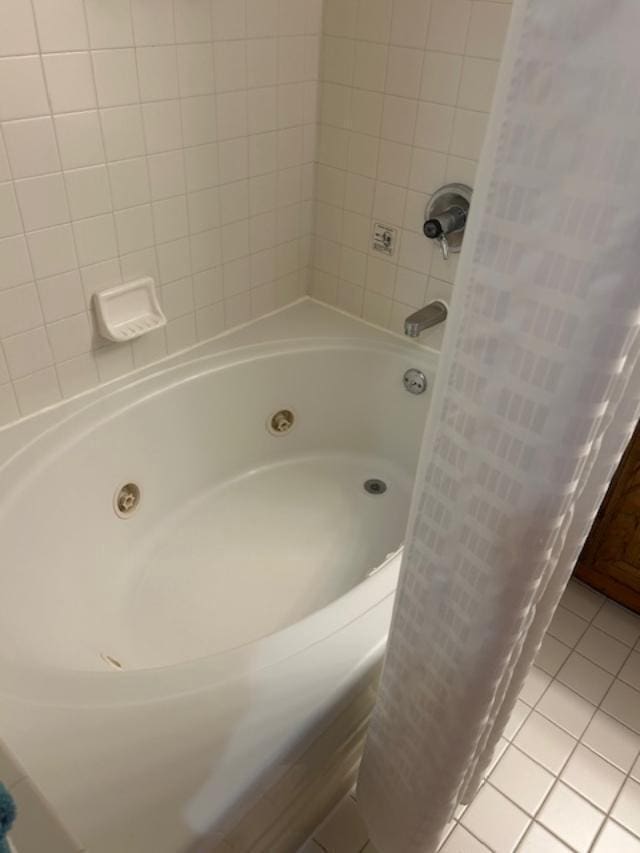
(246, 505)
(163, 656)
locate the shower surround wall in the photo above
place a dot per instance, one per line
(171, 138)
(405, 94)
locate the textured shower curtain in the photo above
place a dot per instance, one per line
(537, 395)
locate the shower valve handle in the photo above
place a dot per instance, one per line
(451, 220)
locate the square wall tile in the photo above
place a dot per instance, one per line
(33, 393)
(43, 201)
(409, 23)
(31, 147)
(487, 29)
(22, 90)
(153, 21)
(27, 352)
(448, 25)
(116, 77)
(109, 25)
(79, 139)
(10, 222)
(52, 251)
(61, 24)
(61, 296)
(18, 33)
(19, 310)
(69, 78)
(15, 265)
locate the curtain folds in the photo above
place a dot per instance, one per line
(537, 395)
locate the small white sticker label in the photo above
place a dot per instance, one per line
(384, 238)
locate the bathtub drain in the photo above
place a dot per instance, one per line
(375, 487)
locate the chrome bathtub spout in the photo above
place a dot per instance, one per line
(425, 318)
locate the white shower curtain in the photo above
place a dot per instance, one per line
(537, 395)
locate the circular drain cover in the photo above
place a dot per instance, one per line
(375, 487)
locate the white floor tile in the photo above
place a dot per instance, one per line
(565, 708)
(522, 780)
(619, 622)
(498, 752)
(519, 714)
(603, 649)
(630, 672)
(555, 730)
(583, 600)
(615, 839)
(593, 777)
(570, 817)
(495, 820)
(567, 627)
(534, 686)
(613, 741)
(545, 742)
(343, 831)
(623, 703)
(540, 840)
(627, 808)
(585, 678)
(461, 841)
(553, 654)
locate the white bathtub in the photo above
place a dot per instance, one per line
(154, 667)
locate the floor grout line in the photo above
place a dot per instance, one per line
(532, 818)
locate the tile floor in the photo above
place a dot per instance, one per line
(567, 774)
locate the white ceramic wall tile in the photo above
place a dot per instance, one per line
(123, 127)
(406, 88)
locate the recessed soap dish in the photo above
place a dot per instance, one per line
(128, 311)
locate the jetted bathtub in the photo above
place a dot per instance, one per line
(197, 563)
